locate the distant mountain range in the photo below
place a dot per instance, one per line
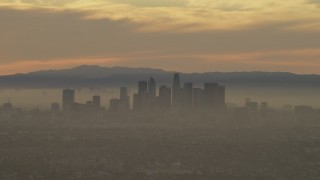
(97, 76)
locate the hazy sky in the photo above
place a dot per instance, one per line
(183, 35)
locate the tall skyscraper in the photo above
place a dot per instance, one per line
(214, 95)
(96, 101)
(67, 99)
(220, 97)
(55, 107)
(152, 88)
(142, 87)
(176, 91)
(114, 105)
(210, 92)
(187, 96)
(152, 93)
(124, 93)
(140, 99)
(164, 98)
(198, 98)
(124, 102)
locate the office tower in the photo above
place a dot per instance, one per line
(187, 96)
(89, 104)
(151, 94)
(214, 96)
(124, 102)
(152, 88)
(142, 87)
(210, 92)
(176, 91)
(7, 106)
(251, 106)
(164, 98)
(198, 98)
(124, 93)
(67, 100)
(140, 99)
(220, 97)
(114, 105)
(55, 107)
(96, 101)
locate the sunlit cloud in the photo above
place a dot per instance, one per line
(184, 35)
(187, 15)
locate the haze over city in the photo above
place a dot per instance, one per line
(159, 89)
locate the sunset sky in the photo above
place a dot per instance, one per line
(181, 35)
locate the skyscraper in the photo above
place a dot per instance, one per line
(96, 102)
(220, 97)
(152, 88)
(210, 92)
(67, 99)
(142, 87)
(55, 108)
(140, 99)
(198, 98)
(124, 93)
(164, 98)
(187, 96)
(176, 91)
(124, 102)
(151, 93)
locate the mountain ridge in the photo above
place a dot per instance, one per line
(94, 75)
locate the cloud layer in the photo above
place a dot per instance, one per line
(185, 35)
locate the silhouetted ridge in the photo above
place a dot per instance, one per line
(93, 75)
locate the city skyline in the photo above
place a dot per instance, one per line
(180, 35)
(149, 97)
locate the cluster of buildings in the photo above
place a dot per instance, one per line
(69, 104)
(177, 97)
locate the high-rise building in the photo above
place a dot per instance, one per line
(152, 88)
(251, 106)
(187, 96)
(176, 91)
(124, 102)
(55, 107)
(124, 93)
(140, 102)
(220, 102)
(67, 99)
(140, 99)
(210, 92)
(198, 98)
(152, 94)
(114, 105)
(214, 96)
(7, 106)
(96, 101)
(142, 87)
(164, 99)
